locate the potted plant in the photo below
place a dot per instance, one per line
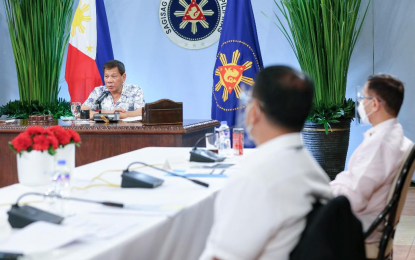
(37, 150)
(323, 34)
(39, 34)
(22, 109)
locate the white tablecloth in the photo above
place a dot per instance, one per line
(181, 235)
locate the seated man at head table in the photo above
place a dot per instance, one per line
(262, 212)
(123, 98)
(375, 163)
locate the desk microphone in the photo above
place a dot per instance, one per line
(21, 216)
(203, 155)
(132, 179)
(101, 98)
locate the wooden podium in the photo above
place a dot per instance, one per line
(100, 141)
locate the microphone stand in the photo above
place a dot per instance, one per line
(21, 216)
(99, 107)
(106, 203)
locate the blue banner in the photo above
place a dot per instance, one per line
(104, 46)
(238, 60)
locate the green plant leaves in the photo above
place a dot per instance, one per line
(325, 116)
(39, 33)
(22, 109)
(323, 34)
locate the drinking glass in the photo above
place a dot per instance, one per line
(76, 109)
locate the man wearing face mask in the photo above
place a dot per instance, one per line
(262, 212)
(375, 163)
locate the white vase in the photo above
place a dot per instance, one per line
(34, 168)
(66, 153)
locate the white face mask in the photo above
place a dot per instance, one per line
(362, 112)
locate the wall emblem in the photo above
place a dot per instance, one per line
(192, 24)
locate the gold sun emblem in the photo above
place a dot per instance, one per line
(231, 74)
(79, 18)
(194, 14)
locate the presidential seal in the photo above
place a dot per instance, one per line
(192, 24)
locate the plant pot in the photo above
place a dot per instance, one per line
(330, 150)
(34, 168)
(66, 153)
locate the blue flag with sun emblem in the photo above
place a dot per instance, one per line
(237, 62)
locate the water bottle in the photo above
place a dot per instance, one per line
(225, 148)
(60, 180)
(60, 187)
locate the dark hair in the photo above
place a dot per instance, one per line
(285, 94)
(115, 63)
(389, 89)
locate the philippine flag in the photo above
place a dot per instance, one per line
(89, 49)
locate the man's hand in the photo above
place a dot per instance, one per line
(120, 110)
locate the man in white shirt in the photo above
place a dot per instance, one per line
(376, 161)
(262, 212)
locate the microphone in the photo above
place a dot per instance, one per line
(203, 155)
(101, 98)
(134, 179)
(19, 217)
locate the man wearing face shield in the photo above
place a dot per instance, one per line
(262, 212)
(376, 161)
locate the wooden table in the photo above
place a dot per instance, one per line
(100, 141)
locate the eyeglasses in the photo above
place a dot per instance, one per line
(361, 96)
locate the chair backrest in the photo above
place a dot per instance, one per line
(408, 169)
(332, 232)
(392, 212)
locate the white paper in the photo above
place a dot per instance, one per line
(132, 119)
(141, 210)
(67, 118)
(40, 237)
(100, 228)
(83, 122)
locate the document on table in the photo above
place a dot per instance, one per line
(40, 237)
(132, 119)
(141, 210)
(103, 227)
(207, 173)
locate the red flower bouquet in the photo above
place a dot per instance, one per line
(40, 139)
(65, 136)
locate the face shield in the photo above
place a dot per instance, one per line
(244, 101)
(358, 99)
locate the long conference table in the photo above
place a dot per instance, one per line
(151, 233)
(100, 141)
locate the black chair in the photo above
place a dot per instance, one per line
(332, 232)
(388, 219)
